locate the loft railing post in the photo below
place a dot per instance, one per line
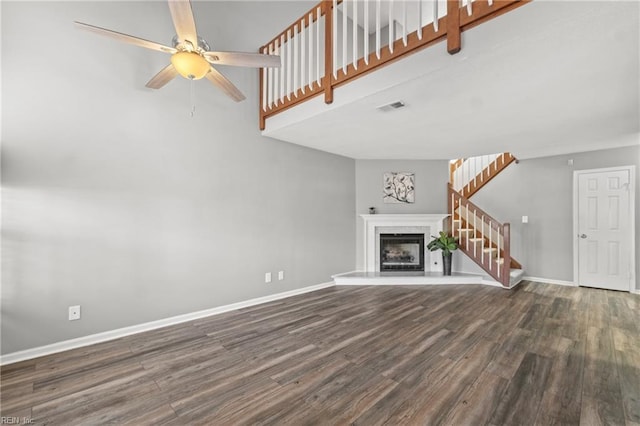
(453, 26)
(328, 51)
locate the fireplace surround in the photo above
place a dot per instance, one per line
(377, 224)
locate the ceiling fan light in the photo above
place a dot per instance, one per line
(190, 65)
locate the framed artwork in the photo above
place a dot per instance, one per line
(398, 187)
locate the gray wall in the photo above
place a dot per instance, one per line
(431, 177)
(115, 199)
(542, 188)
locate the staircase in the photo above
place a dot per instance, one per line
(481, 237)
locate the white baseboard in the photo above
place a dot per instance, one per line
(561, 282)
(134, 329)
(550, 281)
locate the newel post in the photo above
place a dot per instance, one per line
(453, 26)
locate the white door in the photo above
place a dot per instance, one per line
(605, 239)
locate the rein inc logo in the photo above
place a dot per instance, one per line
(9, 420)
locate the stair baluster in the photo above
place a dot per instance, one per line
(467, 179)
(470, 224)
(482, 235)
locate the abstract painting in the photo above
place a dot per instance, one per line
(398, 188)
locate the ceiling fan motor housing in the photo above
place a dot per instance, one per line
(203, 45)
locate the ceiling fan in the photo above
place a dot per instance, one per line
(191, 55)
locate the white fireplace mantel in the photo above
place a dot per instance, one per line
(373, 223)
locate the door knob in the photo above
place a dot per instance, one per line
(583, 235)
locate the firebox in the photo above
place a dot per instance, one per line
(401, 252)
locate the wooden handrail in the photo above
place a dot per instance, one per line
(483, 12)
(476, 178)
(499, 164)
(498, 239)
(459, 196)
(430, 36)
(447, 27)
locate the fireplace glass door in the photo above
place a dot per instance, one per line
(401, 252)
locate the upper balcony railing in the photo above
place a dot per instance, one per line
(340, 40)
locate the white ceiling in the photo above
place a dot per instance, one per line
(548, 78)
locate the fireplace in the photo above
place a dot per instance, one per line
(375, 225)
(401, 252)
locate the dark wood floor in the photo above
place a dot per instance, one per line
(457, 355)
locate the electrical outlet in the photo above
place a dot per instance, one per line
(74, 313)
(280, 275)
(267, 277)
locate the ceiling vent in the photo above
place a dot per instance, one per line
(392, 106)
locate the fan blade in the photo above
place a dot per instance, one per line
(242, 59)
(182, 16)
(222, 82)
(163, 77)
(125, 38)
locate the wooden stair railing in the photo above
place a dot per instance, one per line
(312, 65)
(485, 240)
(469, 175)
(453, 166)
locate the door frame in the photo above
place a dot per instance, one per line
(632, 215)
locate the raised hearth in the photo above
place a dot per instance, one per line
(409, 278)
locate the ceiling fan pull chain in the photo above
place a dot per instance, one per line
(193, 100)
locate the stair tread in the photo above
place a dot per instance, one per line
(471, 224)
